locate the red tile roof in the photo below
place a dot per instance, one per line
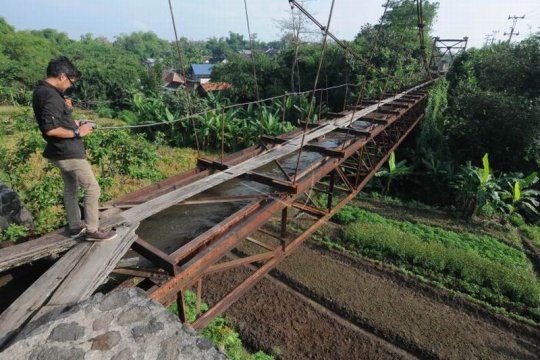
(215, 86)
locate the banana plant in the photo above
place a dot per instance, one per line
(521, 197)
(394, 171)
(477, 190)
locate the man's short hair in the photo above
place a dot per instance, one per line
(63, 65)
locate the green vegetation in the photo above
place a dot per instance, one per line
(533, 233)
(487, 87)
(480, 266)
(13, 233)
(122, 163)
(219, 331)
(394, 171)
(416, 212)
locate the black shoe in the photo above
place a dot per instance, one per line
(77, 232)
(100, 235)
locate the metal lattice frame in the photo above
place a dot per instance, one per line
(442, 48)
(340, 175)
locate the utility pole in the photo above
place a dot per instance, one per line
(489, 39)
(514, 23)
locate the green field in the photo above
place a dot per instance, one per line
(480, 266)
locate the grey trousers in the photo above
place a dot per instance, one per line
(78, 173)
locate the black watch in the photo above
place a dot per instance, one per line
(77, 134)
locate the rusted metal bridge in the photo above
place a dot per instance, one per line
(338, 157)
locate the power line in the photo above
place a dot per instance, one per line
(533, 11)
(252, 53)
(183, 66)
(192, 116)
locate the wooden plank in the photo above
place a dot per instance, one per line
(50, 244)
(325, 151)
(91, 270)
(20, 312)
(222, 199)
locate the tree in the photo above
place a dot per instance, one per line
(27, 56)
(393, 45)
(236, 41)
(239, 72)
(59, 39)
(494, 102)
(145, 45)
(108, 72)
(219, 48)
(5, 28)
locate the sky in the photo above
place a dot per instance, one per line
(202, 19)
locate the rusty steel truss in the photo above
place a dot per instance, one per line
(320, 189)
(445, 48)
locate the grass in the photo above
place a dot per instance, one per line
(219, 332)
(533, 233)
(17, 123)
(478, 265)
(418, 213)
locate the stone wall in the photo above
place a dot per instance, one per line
(121, 325)
(12, 210)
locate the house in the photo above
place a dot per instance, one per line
(172, 81)
(246, 54)
(206, 88)
(150, 62)
(271, 52)
(201, 72)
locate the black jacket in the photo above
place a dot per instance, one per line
(51, 111)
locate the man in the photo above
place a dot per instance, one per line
(65, 148)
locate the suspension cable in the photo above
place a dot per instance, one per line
(310, 107)
(420, 14)
(345, 47)
(183, 66)
(296, 39)
(361, 93)
(252, 51)
(204, 112)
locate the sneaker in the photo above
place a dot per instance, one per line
(100, 235)
(77, 232)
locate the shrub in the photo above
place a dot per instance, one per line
(219, 331)
(105, 112)
(128, 116)
(13, 233)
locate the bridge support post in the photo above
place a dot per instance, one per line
(284, 218)
(199, 297)
(331, 191)
(181, 306)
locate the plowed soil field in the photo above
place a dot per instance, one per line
(321, 304)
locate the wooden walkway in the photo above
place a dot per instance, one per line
(85, 266)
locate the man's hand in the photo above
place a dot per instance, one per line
(85, 129)
(64, 133)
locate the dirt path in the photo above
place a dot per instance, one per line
(379, 304)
